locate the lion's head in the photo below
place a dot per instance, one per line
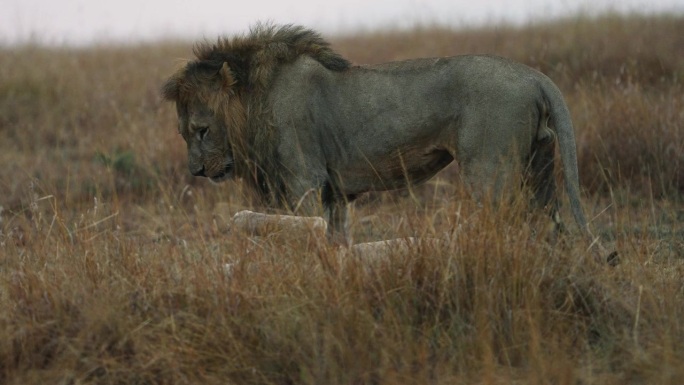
(221, 102)
(211, 117)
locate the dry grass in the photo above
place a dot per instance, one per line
(112, 257)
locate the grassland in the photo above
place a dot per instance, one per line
(112, 257)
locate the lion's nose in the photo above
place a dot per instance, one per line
(199, 172)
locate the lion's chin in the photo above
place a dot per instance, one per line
(226, 174)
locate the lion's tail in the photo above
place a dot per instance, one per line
(561, 123)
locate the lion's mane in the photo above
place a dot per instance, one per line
(254, 60)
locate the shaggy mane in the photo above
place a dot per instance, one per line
(253, 60)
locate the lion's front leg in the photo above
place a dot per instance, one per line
(338, 226)
(320, 201)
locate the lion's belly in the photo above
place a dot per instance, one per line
(398, 170)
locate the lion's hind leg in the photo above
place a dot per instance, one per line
(487, 179)
(541, 177)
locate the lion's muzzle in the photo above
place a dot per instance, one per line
(225, 174)
(199, 172)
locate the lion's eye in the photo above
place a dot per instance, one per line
(202, 132)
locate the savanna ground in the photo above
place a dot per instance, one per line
(112, 257)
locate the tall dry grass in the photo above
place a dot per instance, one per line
(112, 257)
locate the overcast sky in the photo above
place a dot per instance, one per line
(87, 21)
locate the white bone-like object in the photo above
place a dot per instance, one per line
(259, 224)
(263, 224)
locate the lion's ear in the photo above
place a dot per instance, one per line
(171, 89)
(227, 76)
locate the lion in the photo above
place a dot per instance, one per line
(306, 130)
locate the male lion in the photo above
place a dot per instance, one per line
(299, 124)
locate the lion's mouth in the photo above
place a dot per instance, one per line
(225, 174)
